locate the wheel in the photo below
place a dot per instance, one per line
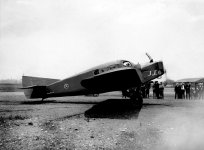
(136, 96)
(140, 100)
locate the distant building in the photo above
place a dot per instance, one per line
(196, 87)
(193, 81)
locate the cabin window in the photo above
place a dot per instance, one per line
(127, 64)
(111, 67)
(96, 72)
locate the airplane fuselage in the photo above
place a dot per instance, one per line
(72, 86)
(113, 76)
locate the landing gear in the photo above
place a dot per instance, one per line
(135, 96)
(137, 99)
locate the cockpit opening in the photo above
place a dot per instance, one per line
(127, 64)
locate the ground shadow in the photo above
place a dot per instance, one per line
(114, 109)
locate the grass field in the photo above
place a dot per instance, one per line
(105, 122)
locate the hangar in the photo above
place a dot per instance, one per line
(191, 80)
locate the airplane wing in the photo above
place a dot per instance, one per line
(114, 80)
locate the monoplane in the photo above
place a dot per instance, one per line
(120, 75)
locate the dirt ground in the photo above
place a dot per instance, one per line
(104, 122)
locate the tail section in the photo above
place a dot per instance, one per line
(35, 87)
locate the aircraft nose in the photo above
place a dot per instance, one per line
(160, 65)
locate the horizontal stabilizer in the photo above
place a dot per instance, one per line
(35, 87)
(35, 91)
(28, 87)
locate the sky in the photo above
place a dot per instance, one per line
(59, 38)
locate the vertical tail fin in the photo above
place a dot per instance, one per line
(33, 81)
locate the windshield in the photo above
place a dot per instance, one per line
(127, 64)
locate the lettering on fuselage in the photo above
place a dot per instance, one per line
(112, 67)
(98, 71)
(154, 73)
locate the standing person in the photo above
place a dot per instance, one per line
(182, 91)
(188, 90)
(202, 91)
(161, 90)
(157, 89)
(176, 90)
(179, 92)
(197, 91)
(148, 85)
(192, 93)
(154, 90)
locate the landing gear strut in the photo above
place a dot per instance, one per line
(136, 96)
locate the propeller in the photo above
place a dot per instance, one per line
(150, 58)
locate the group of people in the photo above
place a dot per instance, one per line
(182, 91)
(145, 89)
(158, 90)
(187, 91)
(198, 91)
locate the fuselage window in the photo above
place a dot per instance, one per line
(127, 64)
(96, 72)
(111, 67)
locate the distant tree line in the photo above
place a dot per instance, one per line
(10, 81)
(169, 82)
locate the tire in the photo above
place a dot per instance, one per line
(137, 97)
(140, 100)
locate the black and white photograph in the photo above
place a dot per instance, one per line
(101, 74)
